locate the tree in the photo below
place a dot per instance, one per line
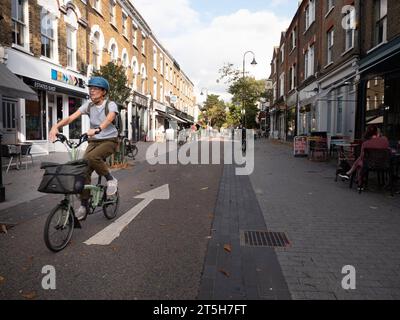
(214, 111)
(246, 92)
(116, 76)
(233, 118)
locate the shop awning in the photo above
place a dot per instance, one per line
(12, 86)
(177, 118)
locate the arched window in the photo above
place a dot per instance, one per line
(143, 74)
(96, 51)
(161, 92)
(71, 28)
(135, 72)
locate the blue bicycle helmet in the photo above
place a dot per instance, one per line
(99, 82)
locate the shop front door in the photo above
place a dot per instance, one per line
(54, 108)
(10, 117)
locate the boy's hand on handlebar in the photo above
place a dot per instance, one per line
(92, 132)
(53, 134)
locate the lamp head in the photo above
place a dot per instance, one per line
(254, 62)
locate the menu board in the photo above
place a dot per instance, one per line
(300, 146)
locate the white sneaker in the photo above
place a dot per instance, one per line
(112, 187)
(81, 213)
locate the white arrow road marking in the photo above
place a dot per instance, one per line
(113, 231)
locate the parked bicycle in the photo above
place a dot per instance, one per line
(130, 148)
(68, 179)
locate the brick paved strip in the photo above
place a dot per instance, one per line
(243, 272)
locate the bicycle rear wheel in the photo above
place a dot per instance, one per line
(58, 228)
(134, 151)
(111, 205)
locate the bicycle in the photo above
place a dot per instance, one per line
(62, 217)
(130, 149)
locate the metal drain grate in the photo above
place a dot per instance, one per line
(263, 239)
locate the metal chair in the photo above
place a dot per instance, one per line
(378, 160)
(11, 152)
(26, 153)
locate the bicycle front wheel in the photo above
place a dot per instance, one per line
(111, 205)
(58, 229)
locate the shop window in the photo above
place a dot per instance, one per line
(35, 117)
(75, 128)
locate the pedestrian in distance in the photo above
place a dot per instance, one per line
(103, 137)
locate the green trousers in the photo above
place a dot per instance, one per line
(96, 153)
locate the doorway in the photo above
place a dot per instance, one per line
(10, 116)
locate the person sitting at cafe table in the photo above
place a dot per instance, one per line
(372, 140)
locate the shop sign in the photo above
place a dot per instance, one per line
(43, 86)
(67, 78)
(300, 146)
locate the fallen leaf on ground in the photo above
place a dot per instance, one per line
(374, 208)
(205, 188)
(225, 273)
(1, 279)
(228, 247)
(29, 295)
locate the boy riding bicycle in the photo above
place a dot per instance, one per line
(103, 137)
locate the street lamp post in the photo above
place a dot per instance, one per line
(254, 62)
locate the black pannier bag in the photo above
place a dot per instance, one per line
(67, 178)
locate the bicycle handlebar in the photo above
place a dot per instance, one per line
(63, 139)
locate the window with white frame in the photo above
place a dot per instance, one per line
(309, 62)
(96, 51)
(292, 77)
(71, 47)
(330, 4)
(330, 43)
(97, 5)
(161, 64)
(48, 34)
(310, 13)
(155, 58)
(380, 21)
(113, 12)
(114, 53)
(161, 92)
(282, 53)
(293, 39)
(143, 44)
(282, 85)
(134, 35)
(124, 25)
(19, 22)
(125, 60)
(350, 31)
(155, 90)
(71, 32)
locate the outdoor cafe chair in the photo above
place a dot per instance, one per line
(26, 153)
(379, 161)
(11, 152)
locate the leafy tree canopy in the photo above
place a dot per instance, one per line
(116, 76)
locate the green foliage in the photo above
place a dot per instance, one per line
(214, 111)
(246, 92)
(116, 76)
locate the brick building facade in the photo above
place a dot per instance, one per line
(338, 52)
(54, 46)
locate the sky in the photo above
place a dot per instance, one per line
(204, 35)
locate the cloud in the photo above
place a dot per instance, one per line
(202, 49)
